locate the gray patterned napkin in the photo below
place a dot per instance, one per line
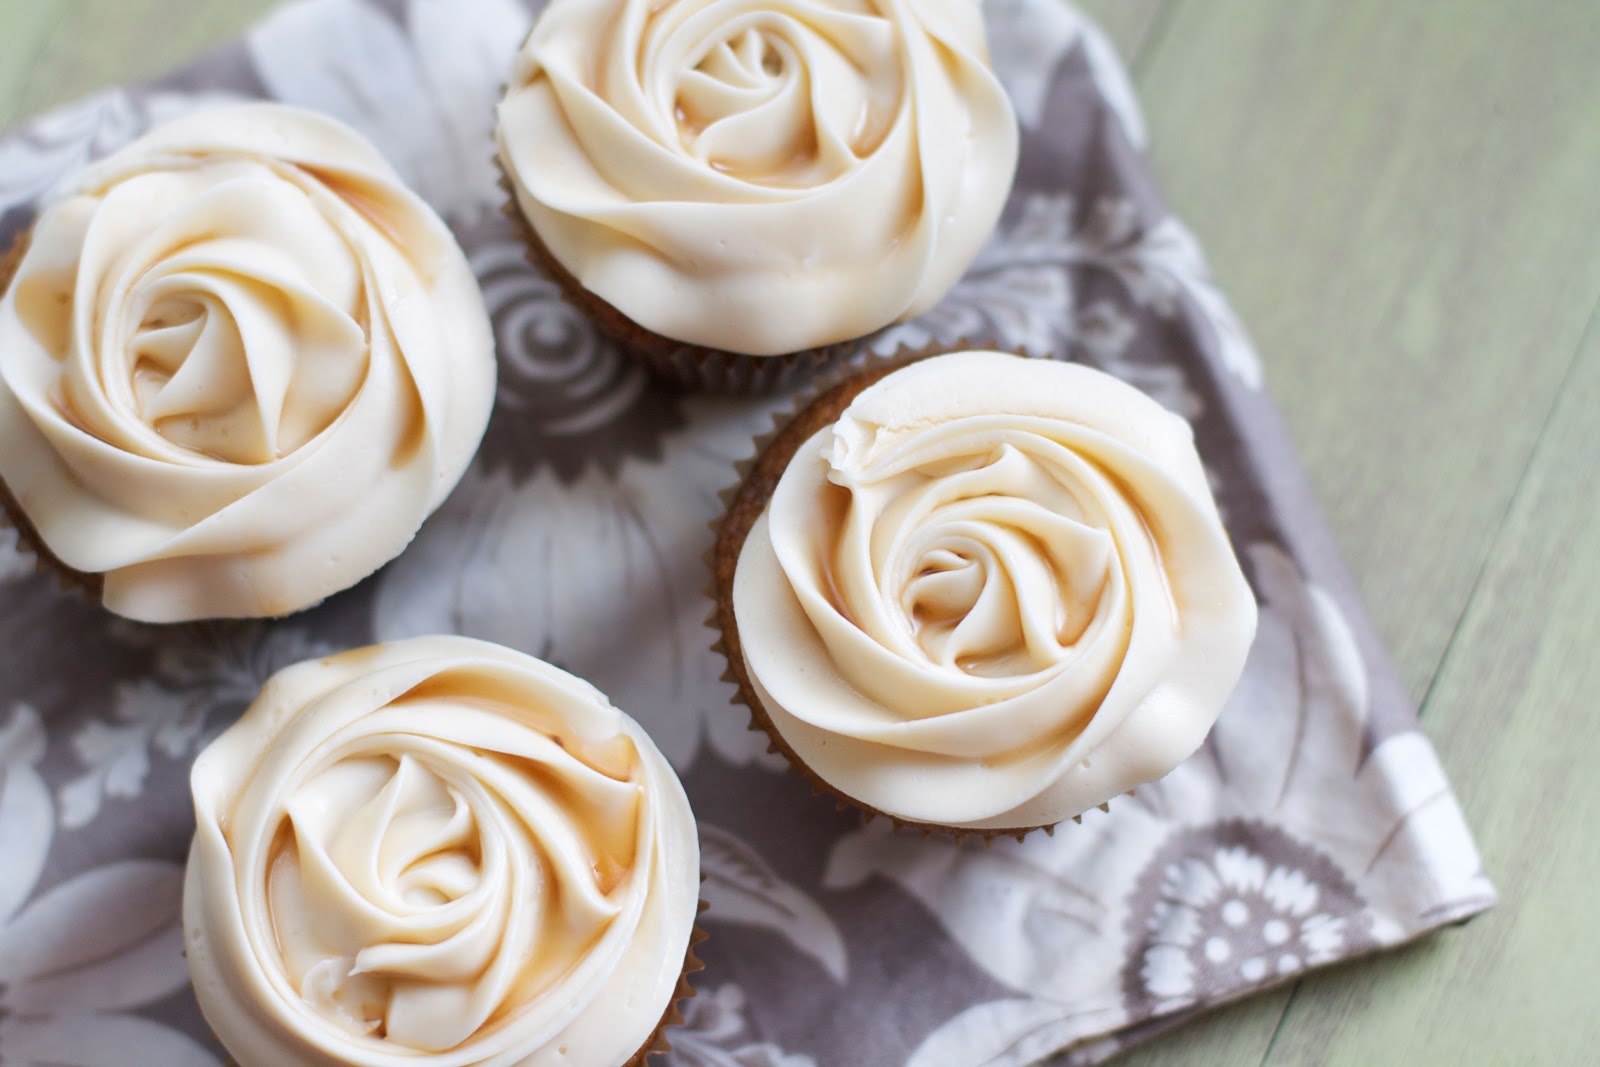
(1315, 824)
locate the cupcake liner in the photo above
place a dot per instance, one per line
(658, 1042)
(11, 511)
(743, 503)
(683, 366)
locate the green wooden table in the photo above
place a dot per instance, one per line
(1403, 200)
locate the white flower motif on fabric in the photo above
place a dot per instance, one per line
(1027, 41)
(1015, 1032)
(713, 1035)
(1015, 908)
(1293, 746)
(1247, 900)
(1161, 266)
(741, 889)
(1105, 331)
(1211, 865)
(423, 92)
(62, 142)
(1227, 917)
(601, 575)
(27, 822)
(15, 562)
(77, 958)
(1173, 248)
(59, 144)
(211, 671)
(1021, 293)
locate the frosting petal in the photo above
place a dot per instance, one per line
(760, 177)
(239, 364)
(993, 594)
(437, 852)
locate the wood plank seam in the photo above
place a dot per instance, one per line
(1283, 1019)
(1150, 42)
(1540, 442)
(1496, 541)
(10, 115)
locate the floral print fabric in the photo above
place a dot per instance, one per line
(1315, 824)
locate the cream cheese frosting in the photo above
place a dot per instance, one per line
(437, 852)
(239, 364)
(993, 594)
(760, 178)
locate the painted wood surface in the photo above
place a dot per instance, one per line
(1402, 199)
(1403, 202)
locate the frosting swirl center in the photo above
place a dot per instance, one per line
(416, 891)
(789, 97)
(1002, 571)
(223, 339)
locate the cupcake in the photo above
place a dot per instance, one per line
(736, 191)
(981, 593)
(443, 853)
(239, 364)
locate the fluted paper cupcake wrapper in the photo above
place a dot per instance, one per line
(659, 1041)
(744, 501)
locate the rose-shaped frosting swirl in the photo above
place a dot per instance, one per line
(437, 852)
(239, 364)
(760, 177)
(993, 594)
